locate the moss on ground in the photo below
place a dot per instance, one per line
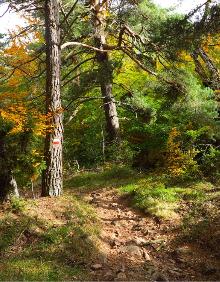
(157, 197)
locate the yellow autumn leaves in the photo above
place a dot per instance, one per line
(179, 162)
(17, 108)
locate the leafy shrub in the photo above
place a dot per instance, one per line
(120, 152)
(17, 204)
(179, 163)
(210, 162)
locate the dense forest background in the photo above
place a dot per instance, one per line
(112, 103)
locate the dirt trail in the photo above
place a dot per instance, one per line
(136, 247)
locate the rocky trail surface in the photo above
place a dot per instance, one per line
(137, 247)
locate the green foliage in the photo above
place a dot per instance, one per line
(83, 137)
(30, 269)
(149, 107)
(119, 152)
(210, 162)
(17, 204)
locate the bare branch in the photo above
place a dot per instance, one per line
(70, 11)
(5, 11)
(192, 13)
(77, 66)
(73, 43)
(138, 62)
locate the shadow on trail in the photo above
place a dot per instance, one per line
(34, 249)
(60, 245)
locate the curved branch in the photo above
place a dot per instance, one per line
(73, 43)
(5, 11)
(138, 62)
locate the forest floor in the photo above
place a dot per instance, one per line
(115, 224)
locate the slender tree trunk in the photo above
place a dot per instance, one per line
(105, 71)
(209, 73)
(52, 183)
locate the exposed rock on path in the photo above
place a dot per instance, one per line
(139, 248)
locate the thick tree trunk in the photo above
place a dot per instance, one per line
(105, 71)
(52, 183)
(13, 186)
(8, 184)
(111, 116)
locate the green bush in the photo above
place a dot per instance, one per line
(210, 162)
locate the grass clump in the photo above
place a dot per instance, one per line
(32, 269)
(154, 196)
(17, 204)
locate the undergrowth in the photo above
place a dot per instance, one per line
(56, 238)
(157, 197)
(157, 194)
(47, 239)
(112, 176)
(202, 224)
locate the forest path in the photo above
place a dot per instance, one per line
(136, 247)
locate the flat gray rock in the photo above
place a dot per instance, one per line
(132, 250)
(96, 266)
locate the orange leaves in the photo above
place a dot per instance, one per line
(31, 20)
(41, 124)
(15, 79)
(39, 36)
(16, 105)
(211, 41)
(8, 97)
(175, 155)
(207, 42)
(17, 115)
(211, 45)
(18, 57)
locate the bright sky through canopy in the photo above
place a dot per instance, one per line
(10, 20)
(182, 6)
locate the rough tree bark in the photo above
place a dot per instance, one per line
(52, 182)
(105, 70)
(207, 71)
(8, 184)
